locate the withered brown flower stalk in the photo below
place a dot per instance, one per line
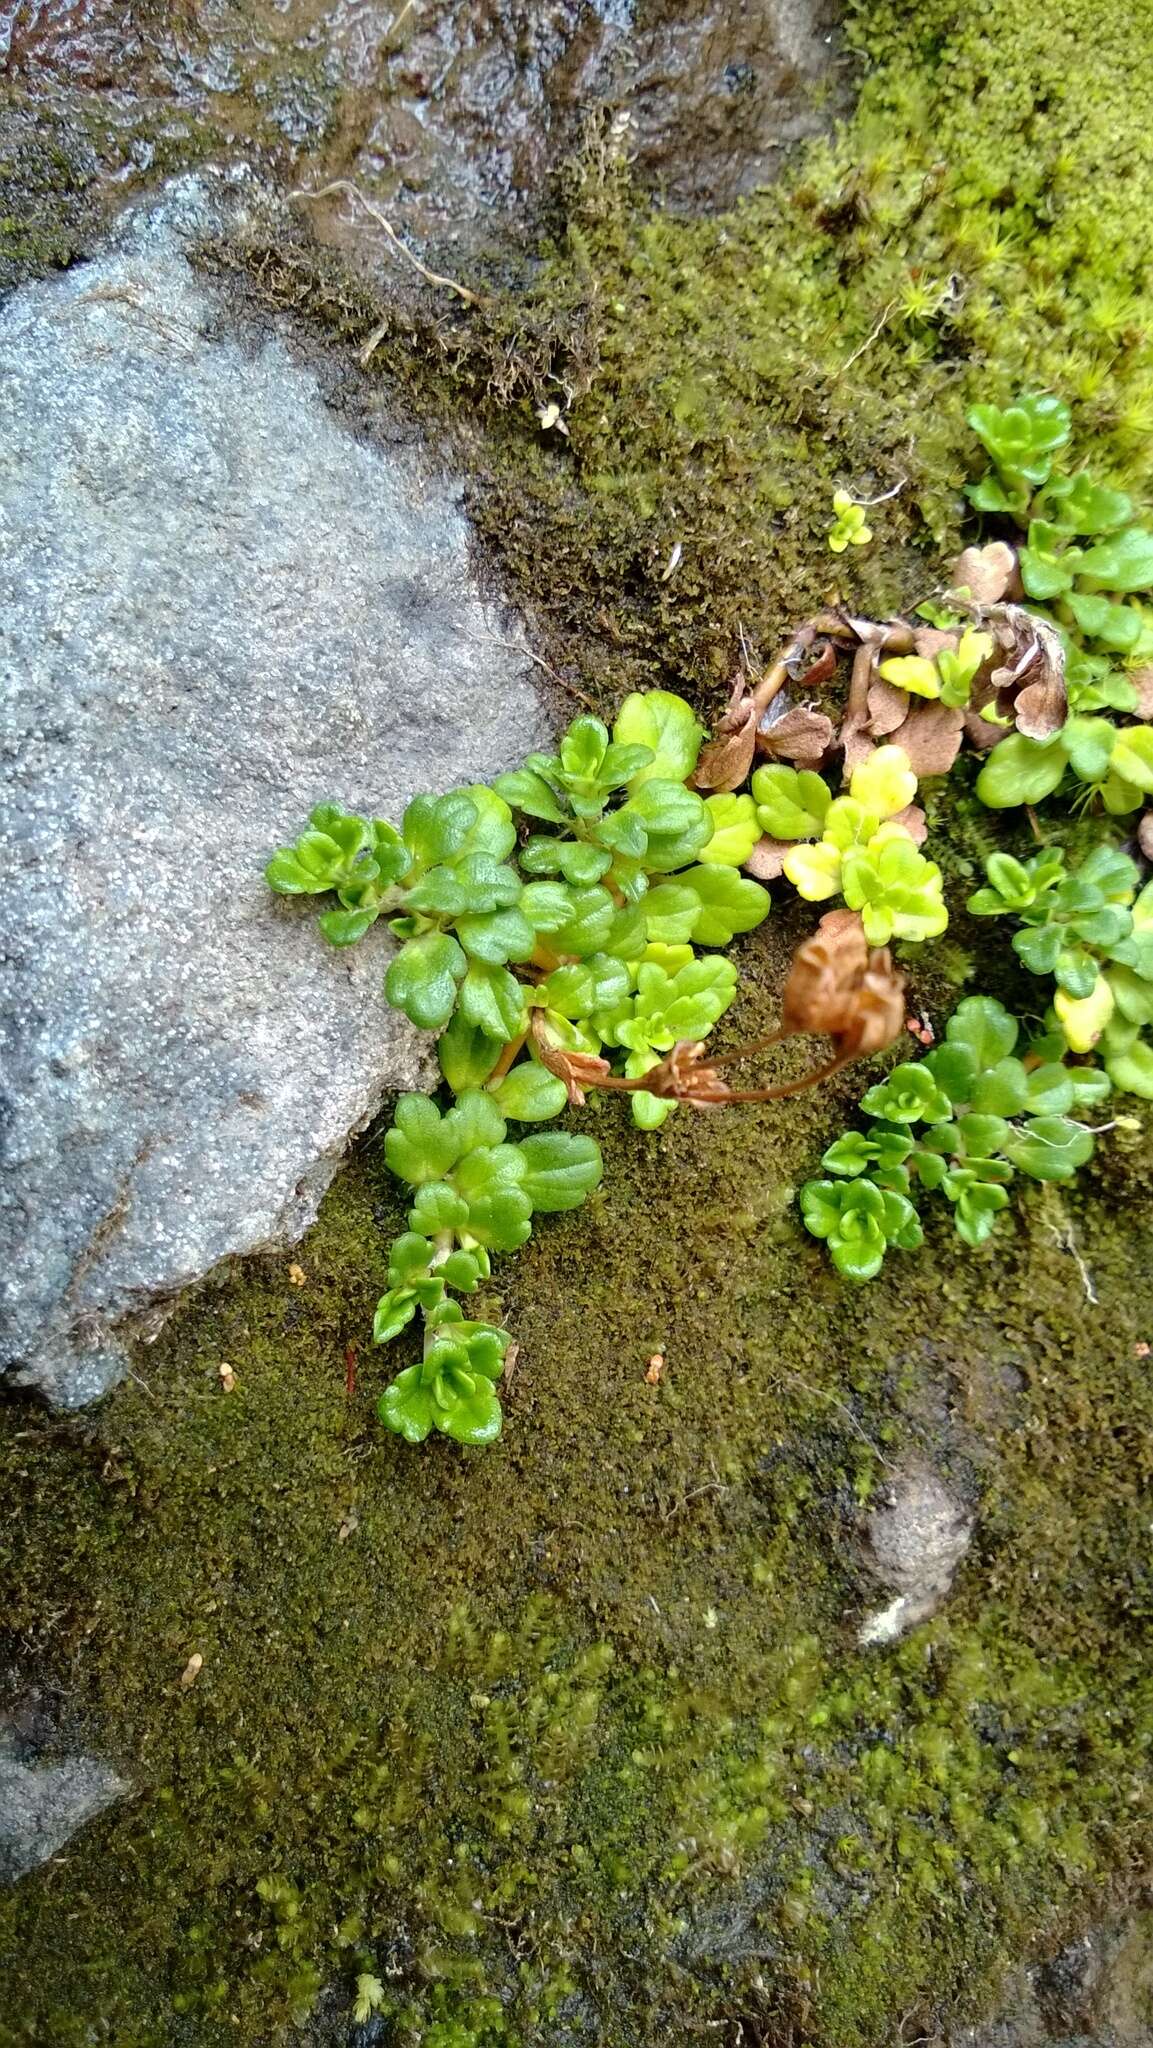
(838, 988)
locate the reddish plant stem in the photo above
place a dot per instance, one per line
(512, 1049)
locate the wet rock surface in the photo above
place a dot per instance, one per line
(45, 1799)
(913, 1542)
(442, 112)
(220, 607)
(1097, 1992)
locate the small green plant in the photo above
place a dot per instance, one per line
(856, 845)
(1085, 566)
(560, 931)
(1112, 763)
(1021, 440)
(474, 1194)
(965, 1120)
(369, 1999)
(568, 946)
(1091, 928)
(850, 527)
(948, 675)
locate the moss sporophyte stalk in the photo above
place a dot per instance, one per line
(563, 930)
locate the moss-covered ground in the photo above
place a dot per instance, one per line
(571, 1740)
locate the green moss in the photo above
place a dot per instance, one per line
(982, 222)
(572, 1739)
(578, 1725)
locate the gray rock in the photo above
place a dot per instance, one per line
(913, 1543)
(1096, 1993)
(43, 1804)
(218, 608)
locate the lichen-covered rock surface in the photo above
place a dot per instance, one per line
(221, 606)
(575, 1740)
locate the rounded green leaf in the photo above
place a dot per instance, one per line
(1131, 1070)
(849, 1155)
(671, 910)
(1049, 1147)
(984, 1028)
(422, 1145)
(530, 1094)
(345, 927)
(394, 1311)
(1124, 562)
(791, 803)
(410, 1257)
(561, 1167)
(472, 1418)
(908, 1095)
(467, 1056)
(501, 1218)
(668, 726)
(579, 863)
(492, 1000)
(497, 936)
(735, 831)
(676, 822)
(727, 903)
(1001, 1090)
(473, 1122)
(650, 1111)
(588, 925)
(436, 827)
(531, 794)
(406, 1406)
(438, 1207)
(494, 831)
(422, 979)
(1021, 771)
(976, 1212)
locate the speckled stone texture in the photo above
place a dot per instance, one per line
(42, 1806)
(217, 608)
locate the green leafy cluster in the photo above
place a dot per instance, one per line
(964, 1120)
(632, 862)
(856, 845)
(473, 1194)
(949, 675)
(850, 527)
(1092, 930)
(1090, 585)
(577, 935)
(1111, 762)
(1085, 565)
(461, 911)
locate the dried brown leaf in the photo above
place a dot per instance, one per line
(843, 990)
(986, 573)
(888, 708)
(725, 762)
(1142, 681)
(930, 641)
(931, 737)
(800, 735)
(1040, 708)
(767, 859)
(858, 747)
(578, 1070)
